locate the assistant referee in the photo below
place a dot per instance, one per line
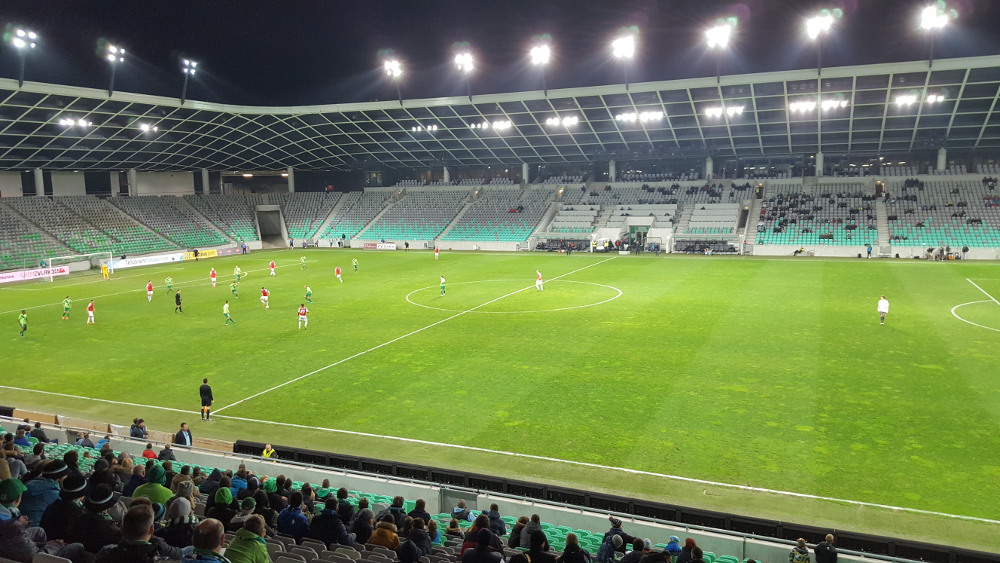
(206, 400)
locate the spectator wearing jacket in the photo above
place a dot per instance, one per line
(55, 521)
(43, 490)
(385, 533)
(573, 553)
(396, 511)
(420, 510)
(249, 546)
(461, 513)
(826, 551)
(327, 526)
(483, 551)
(291, 520)
(363, 525)
(497, 525)
(138, 544)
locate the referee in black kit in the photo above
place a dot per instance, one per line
(206, 400)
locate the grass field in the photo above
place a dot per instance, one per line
(767, 373)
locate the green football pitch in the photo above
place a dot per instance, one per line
(751, 385)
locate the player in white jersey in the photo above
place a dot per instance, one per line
(883, 309)
(538, 281)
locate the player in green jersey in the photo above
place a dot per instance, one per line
(170, 284)
(235, 288)
(354, 262)
(23, 320)
(225, 311)
(67, 305)
(309, 294)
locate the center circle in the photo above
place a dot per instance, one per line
(512, 297)
(975, 311)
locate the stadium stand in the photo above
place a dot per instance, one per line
(305, 212)
(831, 218)
(714, 219)
(501, 214)
(232, 214)
(419, 215)
(22, 245)
(358, 210)
(170, 217)
(943, 213)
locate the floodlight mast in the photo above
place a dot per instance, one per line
(718, 39)
(540, 56)
(465, 64)
(932, 20)
(114, 55)
(189, 68)
(394, 70)
(23, 40)
(624, 48)
(816, 27)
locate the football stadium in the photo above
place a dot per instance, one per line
(743, 316)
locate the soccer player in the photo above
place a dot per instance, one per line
(149, 291)
(538, 281)
(22, 319)
(442, 286)
(67, 305)
(237, 272)
(235, 288)
(104, 272)
(354, 262)
(212, 275)
(309, 294)
(90, 312)
(225, 311)
(883, 309)
(170, 284)
(271, 265)
(302, 262)
(177, 302)
(264, 294)
(437, 253)
(206, 400)
(336, 272)
(303, 316)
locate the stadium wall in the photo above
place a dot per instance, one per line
(10, 184)
(163, 183)
(69, 183)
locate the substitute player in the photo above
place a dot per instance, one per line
(539, 284)
(354, 262)
(302, 262)
(442, 286)
(264, 294)
(271, 265)
(337, 272)
(212, 275)
(67, 305)
(235, 289)
(177, 302)
(22, 320)
(206, 400)
(309, 294)
(170, 284)
(303, 316)
(90, 312)
(238, 273)
(149, 291)
(225, 312)
(883, 309)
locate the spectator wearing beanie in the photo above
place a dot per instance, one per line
(247, 506)
(154, 488)
(222, 509)
(264, 509)
(180, 524)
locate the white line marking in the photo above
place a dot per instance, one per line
(611, 287)
(398, 338)
(536, 457)
(983, 290)
(954, 314)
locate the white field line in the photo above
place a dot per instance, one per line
(398, 338)
(137, 290)
(540, 458)
(983, 290)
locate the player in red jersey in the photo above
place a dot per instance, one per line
(271, 265)
(264, 294)
(337, 273)
(149, 291)
(212, 275)
(303, 316)
(90, 312)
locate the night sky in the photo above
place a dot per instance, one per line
(326, 51)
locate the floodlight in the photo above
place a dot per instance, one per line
(248, 175)
(146, 128)
(393, 68)
(934, 17)
(23, 39)
(718, 36)
(464, 62)
(564, 121)
(817, 25)
(623, 47)
(114, 54)
(906, 100)
(718, 111)
(802, 106)
(74, 122)
(540, 55)
(934, 98)
(189, 67)
(834, 104)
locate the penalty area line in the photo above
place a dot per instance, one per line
(398, 338)
(744, 488)
(983, 290)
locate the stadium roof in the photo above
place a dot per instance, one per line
(866, 110)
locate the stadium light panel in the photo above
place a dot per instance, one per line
(623, 47)
(906, 100)
(115, 54)
(24, 39)
(464, 62)
(718, 35)
(393, 68)
(820, 24)
(934, 16)
(74, 122)
(146, 128)
(934, 98)
(718, 111)
(567, 121)
(540, 55)
(189, 67)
